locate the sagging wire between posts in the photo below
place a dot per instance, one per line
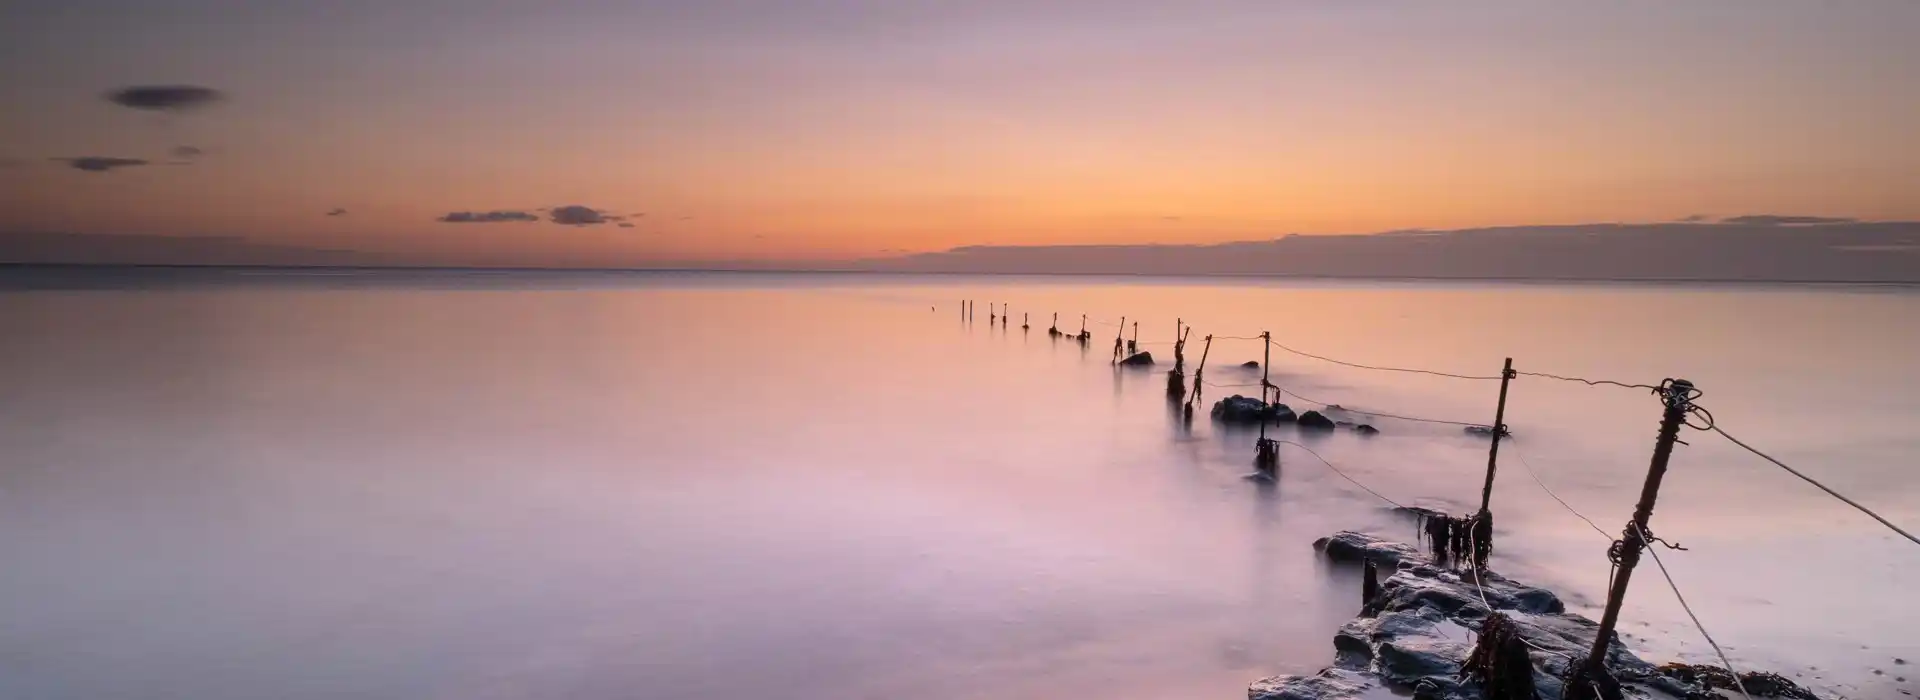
(1366, 412)
(1823, 487)
(1689, 609)
(1383, 369)
(1342, 474)
(1588, 382)
(1556, 497)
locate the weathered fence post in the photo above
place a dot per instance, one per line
(1133, 344)
(1591, 681)
(1266, 452)
(1023, 321)
(1199, 376)
(1483, 521)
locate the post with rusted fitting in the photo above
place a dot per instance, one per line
(1483, 521)
(1591, 681)
(1117, 335)
(1177, 377)
(1133, 344)
(1084, 335)
(1199, 377)
(1266, 452)
(1023, 321)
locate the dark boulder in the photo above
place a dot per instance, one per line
(1312, 420)
(1354, 547)
(1249, 411)
(1365, 429)
(1144, 359)
(1416, 634)
(1251, 364)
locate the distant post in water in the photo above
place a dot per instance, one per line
(1266, 452)
(1117, 335)
(1177, 377)
(1023, 321)
(1054, 330)
(1133, 344)
(1199, 376)
(1678, 396)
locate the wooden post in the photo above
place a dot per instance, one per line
(1266, 452)
(1483, 522)
(1133, 344)
(1023, 321)
(1117, 335)
(1199, 375)
(1678, 395)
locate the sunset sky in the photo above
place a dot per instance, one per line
(810, 129)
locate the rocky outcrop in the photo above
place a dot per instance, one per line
(1312, 420)
(1250, 411)
(1420, 629)
(1144, 359)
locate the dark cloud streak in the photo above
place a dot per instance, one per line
(1778, 220)
(164, 97)
(100, 164)
(485, 217)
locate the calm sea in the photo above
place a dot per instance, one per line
(229, 484)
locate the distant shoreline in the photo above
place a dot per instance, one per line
(10, 269)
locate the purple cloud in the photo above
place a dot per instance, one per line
(485, 217)
(100, 164)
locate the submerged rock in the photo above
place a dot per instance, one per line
(1313, 420)
(1365, 429)
(1329, 684)
(1251, 364)
(1242, 409)
(1144, 359)
(1415, 635)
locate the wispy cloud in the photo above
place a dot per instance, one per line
(164, 97)
(485, 217)
(576, 215)
(100, 164)
(1693, 219)
(336, 211)
(1778, 220)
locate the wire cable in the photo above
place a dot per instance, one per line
(1808, 479)
(1563, 503)
(1363, 411)
(1238, 337)
(1379, 368)
(1342, 474)
(1684, 606)
(1588, 382)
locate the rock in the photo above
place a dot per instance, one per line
(1365, 429)
(1144, 359)
(1251, 364)
(1238, 409)
(1250, 411)
(1330, 684)
(1312, 420)
(1415, 635)
(1407, 659)
(1355, 547)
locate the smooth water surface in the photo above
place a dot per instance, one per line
(455, 485)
